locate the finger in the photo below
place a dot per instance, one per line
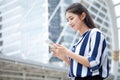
(54, 46)
(58, 45)
(54, 54)
(52, 50)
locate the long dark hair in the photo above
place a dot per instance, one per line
(78, 9)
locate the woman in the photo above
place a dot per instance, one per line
(88, 58)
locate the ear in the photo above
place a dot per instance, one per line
(83, 15)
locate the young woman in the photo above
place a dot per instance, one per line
(88, 57)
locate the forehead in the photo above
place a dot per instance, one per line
(68, 14)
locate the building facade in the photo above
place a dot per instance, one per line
(24, 29)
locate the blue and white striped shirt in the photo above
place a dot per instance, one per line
(93, 46)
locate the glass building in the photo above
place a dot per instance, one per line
(24, 29)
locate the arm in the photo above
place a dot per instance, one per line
(67, 61)
(80, 59)
(64, 58)
(62, 52)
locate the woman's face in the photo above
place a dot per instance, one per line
(74, 21)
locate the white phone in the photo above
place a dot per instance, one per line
(50, 43)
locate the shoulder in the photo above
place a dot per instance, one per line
(95, 30)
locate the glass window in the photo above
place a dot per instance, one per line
(104, 10)
(96, 4)
(94, 10)
(25, 29)
(99, 20)
(102, 15)
(1, 43)
(116, 1)
(117, 10)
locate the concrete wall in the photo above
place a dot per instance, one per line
(10, 70)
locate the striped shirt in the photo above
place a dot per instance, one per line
(93, 46)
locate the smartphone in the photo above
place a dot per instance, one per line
(50, 43)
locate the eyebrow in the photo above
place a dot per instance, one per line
(69, 17)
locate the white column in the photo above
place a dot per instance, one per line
(115, 42)
(114, 65)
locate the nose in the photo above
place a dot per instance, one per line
(70, 23)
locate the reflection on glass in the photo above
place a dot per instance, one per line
(24, 29)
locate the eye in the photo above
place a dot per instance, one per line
(71, 18)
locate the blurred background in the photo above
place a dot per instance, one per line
(25, 25)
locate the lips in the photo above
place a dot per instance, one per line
(72, 26)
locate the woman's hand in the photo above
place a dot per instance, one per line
(61, 57)
(59, 51)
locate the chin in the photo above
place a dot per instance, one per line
(74, 29)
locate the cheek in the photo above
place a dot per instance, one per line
(78, 24)
(77, 20)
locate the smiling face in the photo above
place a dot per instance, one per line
(74, 20)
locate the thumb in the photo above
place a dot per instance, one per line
(58, 45)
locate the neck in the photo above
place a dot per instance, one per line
(83, 30)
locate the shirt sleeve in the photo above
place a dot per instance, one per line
(97, 46)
